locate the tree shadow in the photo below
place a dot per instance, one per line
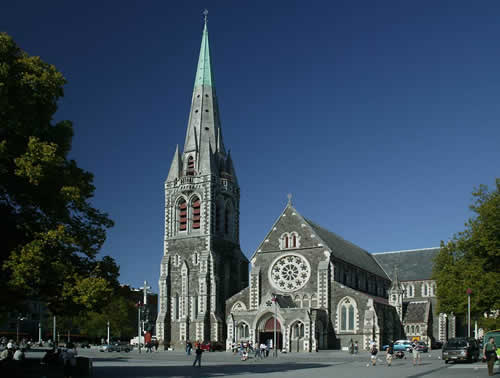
(204, 371)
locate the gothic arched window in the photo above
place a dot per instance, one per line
(286, 241)
(347, 312)
(417, 329)
(190, 166)
(294, 241)
(182, 214)
(196, 213)
(412, 330)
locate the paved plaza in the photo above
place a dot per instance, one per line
(322, 364)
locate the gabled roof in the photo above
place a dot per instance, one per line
(347, 251)
(417, 312)
(413, 265)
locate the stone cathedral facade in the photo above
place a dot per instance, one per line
(202, 263)
(320, 290)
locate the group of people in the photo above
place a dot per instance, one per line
(152, 344)
(198, 351)
(390, 354)
(244, 349)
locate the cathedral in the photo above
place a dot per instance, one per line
(306, 285)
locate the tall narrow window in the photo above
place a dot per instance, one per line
(190, 166)
(343, 318)
(351, 317)
(182, 214)
(196, 208)
(286, 241)
(226, 220)
(294, 241)
(425, 290)
(177, 306)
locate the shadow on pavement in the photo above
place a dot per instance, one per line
(204, 371)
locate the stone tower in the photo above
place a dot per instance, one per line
(202, 262)
(395, 293)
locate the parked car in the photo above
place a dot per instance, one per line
(404, 345)
(117, 347)
(435, 344)
(421, 347)
(106, 348)
(460, 349)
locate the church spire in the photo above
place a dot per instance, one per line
(204, 122)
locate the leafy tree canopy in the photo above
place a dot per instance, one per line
(471, 259)
(52, 234)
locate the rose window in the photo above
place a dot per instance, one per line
(290, 272)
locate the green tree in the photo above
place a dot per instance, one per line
(52, 234)
(471, 259)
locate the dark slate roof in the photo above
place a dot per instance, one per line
(347, 251)
(416, 312)
(415, 264)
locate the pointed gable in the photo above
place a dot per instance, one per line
(313, 236)
(175, 167)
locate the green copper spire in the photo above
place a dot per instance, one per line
(204, 70)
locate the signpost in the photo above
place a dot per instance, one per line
(139, 305)
(469, 292)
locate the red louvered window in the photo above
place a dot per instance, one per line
(182, 215)
(196, 206)
(286, 241)
(294, 241)
(190, 166)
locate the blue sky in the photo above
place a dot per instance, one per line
(379, 117)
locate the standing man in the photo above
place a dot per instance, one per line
(198, 352)
(490, 353)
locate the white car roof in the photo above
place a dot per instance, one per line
(402, 342)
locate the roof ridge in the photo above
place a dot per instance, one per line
(337, 235)
(405, 250)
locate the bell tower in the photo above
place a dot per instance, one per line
(396, 292)
(202, 263)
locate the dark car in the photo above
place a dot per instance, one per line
(421, 347)
(435, 344)
(460, 349)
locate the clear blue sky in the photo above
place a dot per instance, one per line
(379, 117)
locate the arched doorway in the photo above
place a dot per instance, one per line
(265, 332)
(297, 337)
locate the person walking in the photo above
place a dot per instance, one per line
(198, 353)
(356, 347)
(373, 354)
(389, 353)
(490, 353)
(189, 347)
(417, 358)
(69, 360)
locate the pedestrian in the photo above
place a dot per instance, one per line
(263, 350)
(373, 354)
(19, 355)
(268, 347)
(490, 353)
(356, 347)
(69, 360)
(189, 347)
(198, 352)
(351, 347)
(257, 353)
(156, 343)
(388, 354)
(417, 358)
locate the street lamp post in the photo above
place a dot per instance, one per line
(54, 330)
(19, 320)
(275, 347)
(39, 333)
(139, 305)
(108, 331)
(469, 292)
